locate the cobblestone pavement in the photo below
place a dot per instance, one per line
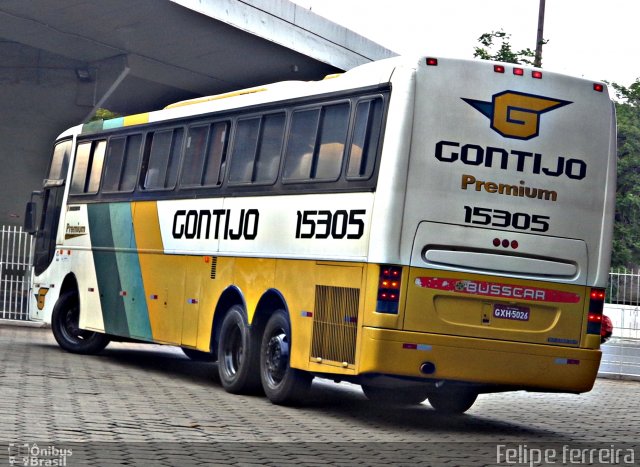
(150, 405)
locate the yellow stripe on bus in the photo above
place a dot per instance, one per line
(137, 119)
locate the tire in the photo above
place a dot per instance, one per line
(238, 357)
(453, 401)
(65, 326)
(198, 355)
(395, 396)
(282, 384)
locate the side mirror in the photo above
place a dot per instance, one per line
(30, 217)
(30, 214)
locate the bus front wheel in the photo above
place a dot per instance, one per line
(282, 384)
(65, 324)
(453, 401)
(237, 354)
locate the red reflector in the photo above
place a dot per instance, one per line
(505, 243)
(514, 244)
(498, 68)
(496, 242)
(594, 318)
(597, 295)
(598, 87)
(410, 346)
(536, 74)
(432, 61)
(518, 71)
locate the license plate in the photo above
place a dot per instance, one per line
(517, 313)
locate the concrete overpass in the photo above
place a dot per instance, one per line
(62, 60)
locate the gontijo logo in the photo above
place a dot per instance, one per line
(516, 114)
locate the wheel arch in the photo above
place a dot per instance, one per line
(270, 301)
(69, 284)
(232, 295)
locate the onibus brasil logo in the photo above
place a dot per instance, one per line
(516, 114)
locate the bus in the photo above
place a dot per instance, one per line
(427, 228)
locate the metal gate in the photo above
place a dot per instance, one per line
(16, 249)
(621, 355)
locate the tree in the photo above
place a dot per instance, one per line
(626, 237)
(504, 52)
(104, 114)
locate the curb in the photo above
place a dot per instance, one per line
(619, 377)
(24, 324)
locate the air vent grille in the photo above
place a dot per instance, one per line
(335, 324)
(214, 266)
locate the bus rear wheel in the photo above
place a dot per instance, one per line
(65, 324)
(282, 384)
(395, 396)
(452, 401)
(238, 361)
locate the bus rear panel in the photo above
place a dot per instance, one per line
(506, 232)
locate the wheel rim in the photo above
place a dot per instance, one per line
(233, 351)
(71, 326)
(276, 358)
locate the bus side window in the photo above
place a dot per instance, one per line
(301, 144)
(162, 167)
(333, 138)
(366, 138)
(194, 155)
(88, 167)
(316, 143)
(215, 162)
(257, 149)
(122, 160)
(267, 163)
(244, 150)
(204, 155)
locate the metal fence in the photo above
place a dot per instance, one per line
(621, 355)
(624, 287)
(16, 247)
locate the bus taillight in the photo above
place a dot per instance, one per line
(389, 289)
(596, 307)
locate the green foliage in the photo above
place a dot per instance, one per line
(502, 52)
(630, 95)
(104, 114)
(626, 243)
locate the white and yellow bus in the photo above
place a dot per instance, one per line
(427, 228)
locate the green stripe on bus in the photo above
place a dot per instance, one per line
(104, 257)
(92, 127)
(129, 271)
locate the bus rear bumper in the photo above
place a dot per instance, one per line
(483, 361)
